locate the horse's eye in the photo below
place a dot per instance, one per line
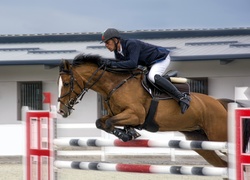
(65, 84)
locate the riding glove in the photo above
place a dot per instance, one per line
(106, 62)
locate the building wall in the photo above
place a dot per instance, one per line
(222, 80)
(8, 99)
(86, 111)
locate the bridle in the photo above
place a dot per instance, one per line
(79, 96)
(88, 86)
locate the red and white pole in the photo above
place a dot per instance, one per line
(239, 160)
(39, 145)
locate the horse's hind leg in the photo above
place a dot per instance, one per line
(210, 156)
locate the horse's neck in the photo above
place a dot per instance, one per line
(104, 82)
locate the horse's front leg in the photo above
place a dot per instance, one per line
(128, 118)
(126, 134)
(100, 123)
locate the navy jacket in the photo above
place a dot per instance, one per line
(137, 53)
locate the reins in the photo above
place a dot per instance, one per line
(89, 85)
(85, 89)
(117, 87)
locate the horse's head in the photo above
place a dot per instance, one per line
(69, 89)
(74, 84)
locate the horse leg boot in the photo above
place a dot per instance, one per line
(122, 134)
(131, 132)
(169, 88)
(126, 134)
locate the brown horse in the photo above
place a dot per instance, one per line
(128, 105)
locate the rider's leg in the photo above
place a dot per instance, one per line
(168, 87)
(155, 75)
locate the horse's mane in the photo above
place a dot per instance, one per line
(95, 59)
(83, 58)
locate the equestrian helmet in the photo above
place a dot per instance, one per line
(109, 34)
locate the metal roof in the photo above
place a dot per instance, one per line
(185, 45)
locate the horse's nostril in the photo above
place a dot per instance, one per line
(62, 113)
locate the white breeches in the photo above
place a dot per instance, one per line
(158, 68)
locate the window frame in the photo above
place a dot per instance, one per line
(33, 97)
(198, 84)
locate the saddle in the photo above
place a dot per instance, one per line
(156, 92)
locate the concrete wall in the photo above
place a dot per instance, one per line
(86, 111)
(222, 80)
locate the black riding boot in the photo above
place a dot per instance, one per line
(168, 87)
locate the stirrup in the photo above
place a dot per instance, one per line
(186, 99)
(184, 103)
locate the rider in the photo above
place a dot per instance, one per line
(131, 52)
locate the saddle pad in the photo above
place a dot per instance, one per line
(156, 92)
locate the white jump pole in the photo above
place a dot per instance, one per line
(231, 141)
(239, 160)
(234, 115)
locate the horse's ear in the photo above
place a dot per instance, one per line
(65, 65)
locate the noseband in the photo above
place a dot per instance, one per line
(79, 96)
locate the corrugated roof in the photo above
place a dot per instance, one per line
(185, 45)
(139, 34)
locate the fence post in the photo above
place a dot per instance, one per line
(39, 145)
(238, 159)
(231, 141)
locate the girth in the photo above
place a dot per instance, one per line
(154, 91)
(156, 94)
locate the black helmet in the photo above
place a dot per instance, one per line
(110, 33)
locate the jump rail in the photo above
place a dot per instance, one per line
(39, 150)
(190, 145)
(142, 168)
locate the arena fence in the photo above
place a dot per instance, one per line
(40, 141)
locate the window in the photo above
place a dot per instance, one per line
(29, 94)
(199, 85)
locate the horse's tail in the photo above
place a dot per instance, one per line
(225, 102)
(245, 124)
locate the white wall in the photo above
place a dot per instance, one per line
(8, 105)
(10, 75)
(212, 68)
(223, 87)
(86, 111)
(12, 140)
(221, 78)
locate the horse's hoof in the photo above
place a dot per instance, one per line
(121, 134)
(98, 124)
(126, 138)
(132, 132)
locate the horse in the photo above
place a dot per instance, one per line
(128, 104)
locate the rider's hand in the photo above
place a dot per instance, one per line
(105, 62)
